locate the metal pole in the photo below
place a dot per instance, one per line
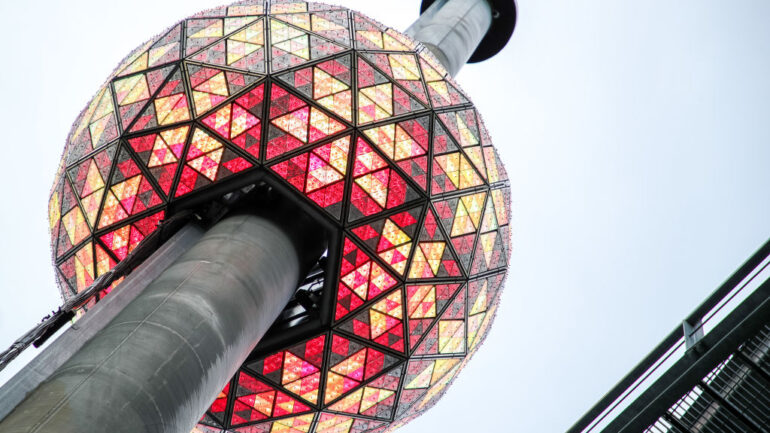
(162, 360)
(452, 30)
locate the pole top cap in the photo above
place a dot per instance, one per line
(499, 33)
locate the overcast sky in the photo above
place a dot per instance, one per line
(635, 134)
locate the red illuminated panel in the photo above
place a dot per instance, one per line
(255, 401)
(297, 369)
(123, 240)
(132, 93)
(72, 227)
(379, 98)
(104, 263)
(461, 218)
(351, 364)
(242, 50)
(293, 123)
(433, 256)
(483, 296)
(403, 68)
(170, 105)
(361, 279)
(376, 399)
(218, 408)
(376, 186)
(464, 128)
(327, 83)
(442, 92)
(130, 193)
(391, 238)
(293, 46)
(382, 323)
(319, 174)
(492, 245)
(373, 36)
(202, 32)
(164, 50)
(161, 153)
(424, 303)
(95, 127)
(406, 143)
(208, 160)
(447, 335)
(78, 269)
(336, 423)
(423, 379)
(89, 179)
(239, 121)
(211, 86)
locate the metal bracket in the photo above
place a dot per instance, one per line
(692, 333)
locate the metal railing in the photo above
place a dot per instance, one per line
(705, 318)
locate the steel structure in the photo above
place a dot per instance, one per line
(710, 375)
(333, 116)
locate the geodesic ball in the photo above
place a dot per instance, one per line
(361, 127)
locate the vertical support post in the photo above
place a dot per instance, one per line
(452, 30)
(162, 360)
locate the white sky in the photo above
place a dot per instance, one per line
(635, 134)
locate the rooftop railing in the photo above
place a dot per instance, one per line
(680, 343)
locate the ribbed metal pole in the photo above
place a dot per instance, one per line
(452, 30)
(157, 366)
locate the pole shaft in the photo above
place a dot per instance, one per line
(163, 359)
(452, 30)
